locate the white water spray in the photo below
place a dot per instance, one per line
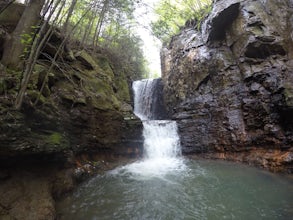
(162, 149)
(161, 139)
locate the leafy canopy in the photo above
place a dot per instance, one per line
(100, 25)
(173, 14)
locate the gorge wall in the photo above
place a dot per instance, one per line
(82, 103)
(230, 84)
(76, 120)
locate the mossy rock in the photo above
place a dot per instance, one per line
(68, 92)
(87, 60)
(55, 138)
(52, 142)
(93, 92)
(104, 64)
(34, 79)
(95, 66)
(122, 89)
(288, 94)
(2, 86)
(35, 95)
(38, 77)
(101, 93)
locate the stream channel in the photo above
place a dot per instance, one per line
(166, 186)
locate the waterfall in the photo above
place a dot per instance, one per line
(148, 99)
(161, 141)
(142, 102)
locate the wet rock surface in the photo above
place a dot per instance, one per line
(229, 84)
(29, 186)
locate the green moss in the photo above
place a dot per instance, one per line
(105, 66)
(87, 60)
(101, 93)
(52, 141)
(122, 89)
(93, 87)
(34, 95)
(69, 92)
(55, 139)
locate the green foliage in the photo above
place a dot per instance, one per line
(27, 39)
(124, 48)
(173, 14)
(115, 35)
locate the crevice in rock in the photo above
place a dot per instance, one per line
(220, 23)
(262, 50)
(286, 119)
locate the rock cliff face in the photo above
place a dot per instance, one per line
(82, 120)
(75, 118)
(230, 85)
(77, 111)
(83, 104)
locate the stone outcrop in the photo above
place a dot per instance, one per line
(76, 120)
(84, 105)
(81, 122)
(76, 111)
(229, 85)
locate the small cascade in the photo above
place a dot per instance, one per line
(161, 140)
(148, 99)
(142, 102)
(165, 186)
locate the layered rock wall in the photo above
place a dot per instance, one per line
(76, 120)
(80, 109)
(229, 85)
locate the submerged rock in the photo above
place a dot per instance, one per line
(229, 84)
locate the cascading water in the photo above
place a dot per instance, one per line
(164, 186)
(161, 141)
(148, 99)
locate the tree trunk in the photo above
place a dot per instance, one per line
(14, 47)
(69, 14)
(100, 22)
(88, 29)
(34, 53)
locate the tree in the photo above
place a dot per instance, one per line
(14, 45)
(103, 24)
(69, 14)
(100, 22)
(42, 36)
(173, 14)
